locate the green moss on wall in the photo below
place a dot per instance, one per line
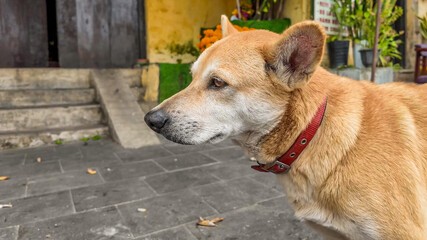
(173, 78)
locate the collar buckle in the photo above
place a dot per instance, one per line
(283, 163)
(284, 168)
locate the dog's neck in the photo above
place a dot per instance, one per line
(316, 162)
(301, 108)
(275, 139)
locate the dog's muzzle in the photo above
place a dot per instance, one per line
(156, 120)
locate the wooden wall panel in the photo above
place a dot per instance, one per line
(124, 33)
(23, 33)
(67, 33)
(93, 18)
(91, 34)
(38, 55)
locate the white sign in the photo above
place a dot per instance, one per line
(323, 15)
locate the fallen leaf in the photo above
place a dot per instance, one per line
(2, 178)
(39, 160)
(209, 223)
(90, 171)
(217, 220)
(141, 210)
(48, 236)
(9, 205)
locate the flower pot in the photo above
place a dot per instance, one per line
(367, 55)
(357, 58)
(338, 53)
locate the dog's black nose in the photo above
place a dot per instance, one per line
(156, 120)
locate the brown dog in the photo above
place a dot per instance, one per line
(363, 175)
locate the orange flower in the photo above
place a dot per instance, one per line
(211, 36)
(214, 39)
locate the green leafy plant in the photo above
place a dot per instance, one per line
(96, 138)
(361, 21)
(181, 49)
(341, 9)
(387, 42)
(268, 10)
(58, 142)
(423, 25)
(85, 139)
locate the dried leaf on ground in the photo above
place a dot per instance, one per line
(209, 223)
(91, 171)
(2, 178)
(9, 205)
(39, 160)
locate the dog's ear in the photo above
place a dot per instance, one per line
(227, 27)
(297, 54)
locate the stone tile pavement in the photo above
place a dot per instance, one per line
(57, 199)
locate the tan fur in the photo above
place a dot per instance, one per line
(363, 176)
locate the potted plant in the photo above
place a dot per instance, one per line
(367, 55)
(338, 46)
(364, 32)
(357, 11)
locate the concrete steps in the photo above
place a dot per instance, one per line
(44, 78)
(23, 119)
(13, 98)
(40, 137)
(138, 93)
(40, 106)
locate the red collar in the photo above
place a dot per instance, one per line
(283, 163)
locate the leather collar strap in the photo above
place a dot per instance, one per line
(283, 163)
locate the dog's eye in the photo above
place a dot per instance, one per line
(218, 82)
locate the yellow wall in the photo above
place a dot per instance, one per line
(172, 21)
(297, 10)
(422, 7)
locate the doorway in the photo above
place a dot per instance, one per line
(52, 33)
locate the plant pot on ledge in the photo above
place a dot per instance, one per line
(367, 55)
(338, 53)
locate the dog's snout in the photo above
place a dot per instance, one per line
(156, 120)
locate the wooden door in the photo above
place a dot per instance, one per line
(98, 33)
(23, 33)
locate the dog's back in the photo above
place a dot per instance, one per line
(377, 174)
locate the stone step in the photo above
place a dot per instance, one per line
(44, 97)
(44, 78)
(61, 78)
(138, 92)
(23, 119)
(36, 138)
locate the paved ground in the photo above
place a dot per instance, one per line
(57, 199)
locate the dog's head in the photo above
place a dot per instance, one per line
(241, 84)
